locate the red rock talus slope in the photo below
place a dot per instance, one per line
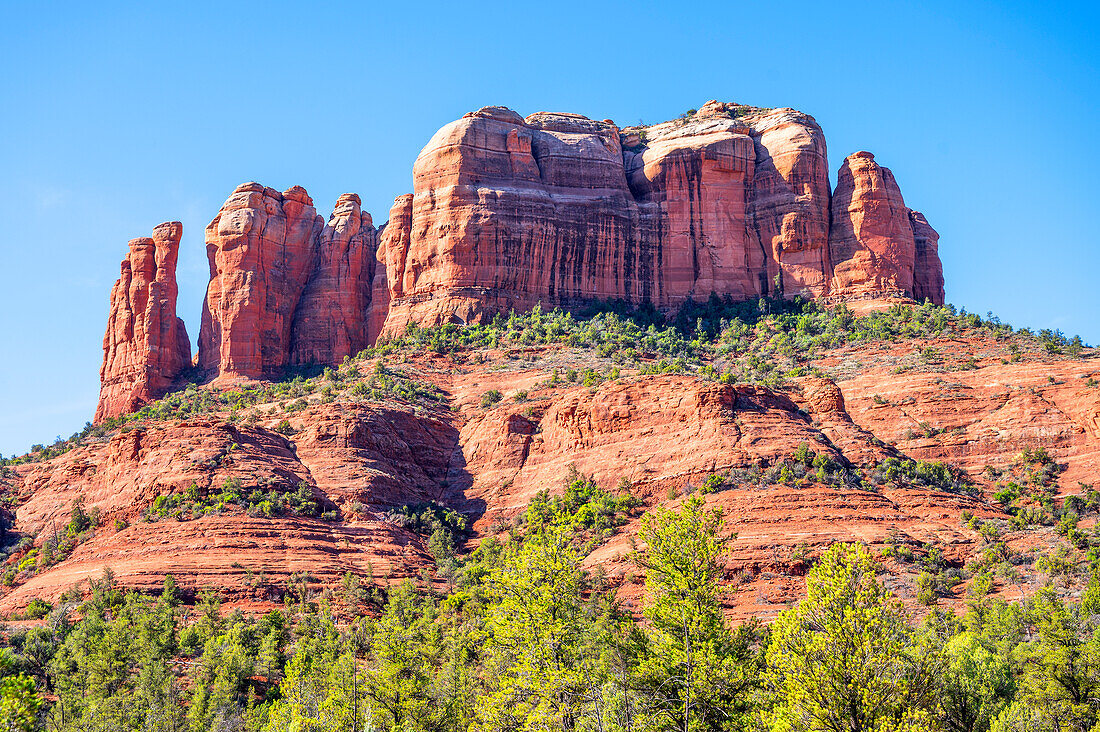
(261, 248)
(561, 209)
(347, 455)
(146, 346)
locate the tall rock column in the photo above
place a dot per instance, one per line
(690, 179)
(789, 202)
(928, 270)
(261, 248)
(332, 317)
(871, 241)
(145, 347)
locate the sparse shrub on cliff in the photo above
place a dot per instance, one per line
(490, 398)
(937, 476)
(712, 483)
(1027, 489)
(79, 521)
(37, 608)
(255, 502)
(803, 467)
(584, 506)
(427, 518)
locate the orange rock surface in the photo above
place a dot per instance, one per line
(146, 346)
(261, 248)
(968, 401)
(331, 319)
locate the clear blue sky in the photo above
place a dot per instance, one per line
(117, 118)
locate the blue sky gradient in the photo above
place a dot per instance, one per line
(118, 117)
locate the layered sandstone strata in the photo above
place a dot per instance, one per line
(561, 209)
(661, 432)
(146, 346)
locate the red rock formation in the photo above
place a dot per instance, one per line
(789, 201)
(261, 248)
(146, 346)
(928, 270)
(331, 319)
(508, 212)
(662, 432)
(346, 454)
(871, 240)
(561, 209)
(691, 181)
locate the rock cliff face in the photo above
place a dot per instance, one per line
(261, 248)
(561, 209)
(789, 203)
(331, 319)
(877, 243)
(928, 270)
(557, 209)
(285, 288)
(146, 346)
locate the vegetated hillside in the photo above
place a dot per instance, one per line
(953, 446)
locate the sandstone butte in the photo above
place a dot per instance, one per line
(557, 209)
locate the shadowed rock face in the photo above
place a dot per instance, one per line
(928, 270)
(331, 320)
(146, 346)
